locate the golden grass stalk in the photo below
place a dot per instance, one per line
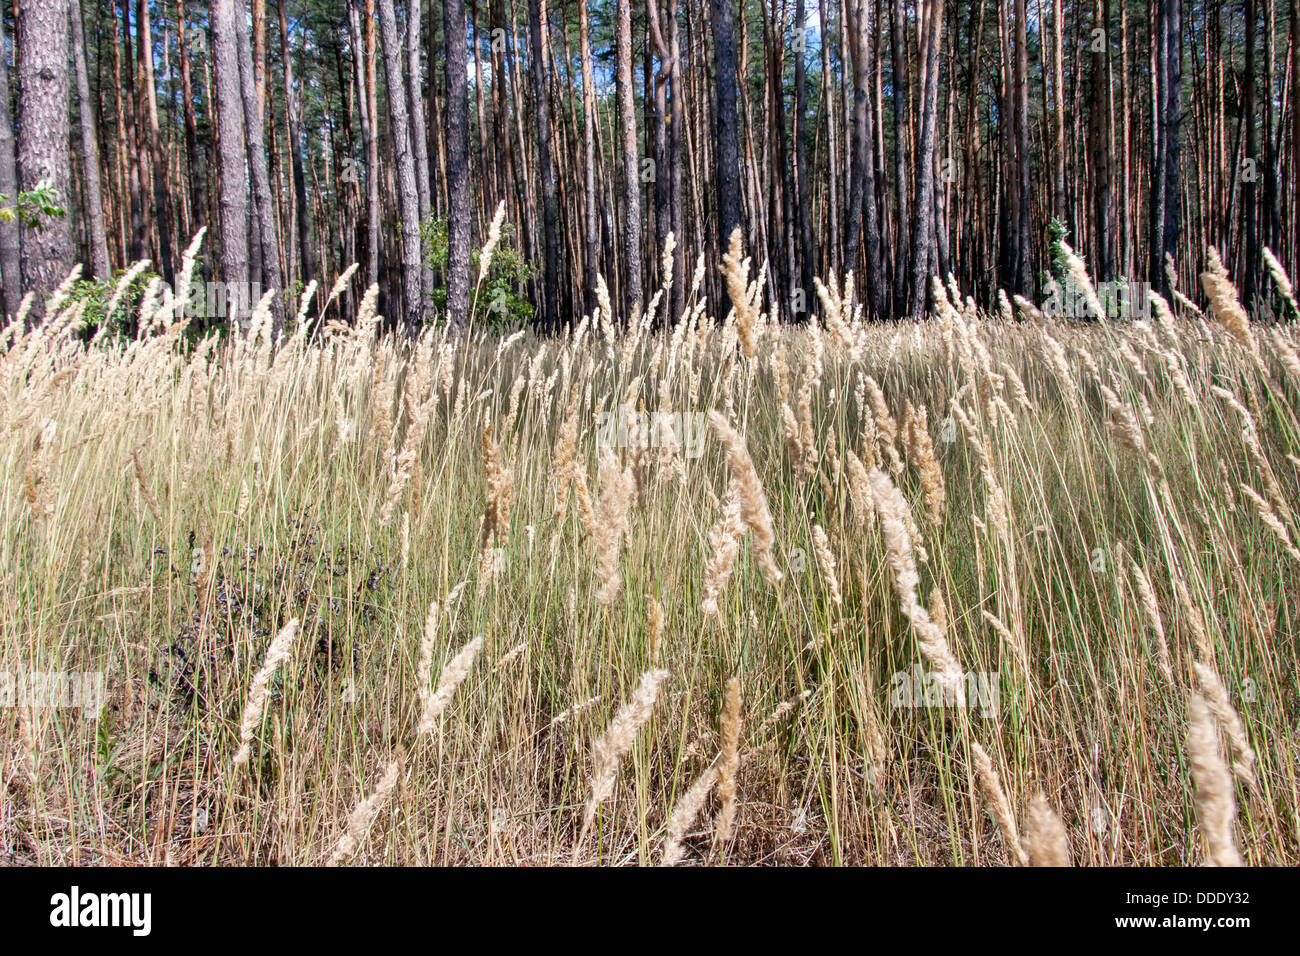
(563, 458)
(1124, 423)
(1004, 307)
(724, 548)
(424, 668)
(143, 484)
(685, 813)
(753, 502)
(666, 262)
(654, 616)
(1027, 309)
(894, 515)
(991, 783)
(729, 763)
(779, 711)
(453, 675)
(1286, 353)
(25, 306)
(493, 238)
(938, 609)
(840, 315)
(1164, 316)
(510, 656)
(382, 391)
(575, 710)
(1250, 441)
(363, 815)
(496, 511)
(184, 281)
(886, 424)
(606, 308)
(793, 442)
(608, 752)
(807, 440)
(245, 499)
(407, 460)
(340, 285)
(1013, 642)
(1270, 520)
(920, 449)
(1186, 303)
(276, 655)
(1079, 273)
(123, 284)
(1045, 841)
(864, 507)
(38, 490)
(616, 485)
(735, 269)
(822, 548)
(1147, 599)
(1280, 279)
(1224, 304)
(1216, 697)
(1195, 619)
(1216, 807)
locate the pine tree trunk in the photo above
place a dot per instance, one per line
(631, 165)
(727, 144)
(663, 182)
(198, 203)
(258, 53)
(591, 221)
(43, 138)
(458, 216)
(130, 144)
(861, 156)
(807, 254)
(780, 222)
(408, 198)
(1058, 97)
(923, 245)
(1295, 137)
(871, 219)
(1103, 265)
(258, 175)
(488, 197)
(1023, 228)
(419, 135)
(545, 164)
(306, 232)
(11, 283)
(1165, 169)
(232, 156)
(1250, 178)
(675, 125)
(362, 42)
(157, 149)
(93, 199)
(898, 52)
(830, 124)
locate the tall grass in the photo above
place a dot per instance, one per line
(516, 647)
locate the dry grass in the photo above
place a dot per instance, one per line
(516, 647)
